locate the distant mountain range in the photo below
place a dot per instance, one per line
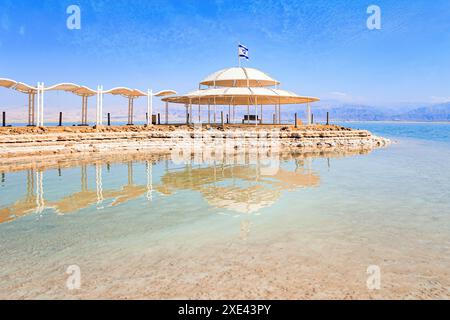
(439, 112)
(338, 112)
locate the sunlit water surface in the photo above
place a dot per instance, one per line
(278, 227)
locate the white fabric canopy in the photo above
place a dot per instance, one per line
(240, 96)
(239, 77)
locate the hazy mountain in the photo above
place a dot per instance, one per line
(345, 112)
(440, 112)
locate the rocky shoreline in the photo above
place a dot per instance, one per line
(24, 143)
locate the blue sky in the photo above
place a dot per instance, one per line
(315, 47)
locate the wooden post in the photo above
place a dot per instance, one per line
(60, 119)
(221, 117)
(295, 119)
(4, 119)
(159, 118)
(109, 119)
(328, 118)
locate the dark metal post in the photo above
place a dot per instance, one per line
(228, 119)
(295, 119)
(328, 118)
(4, 119)
(159, 118)
(312, 118)
(60, 119)
(274, 118)
(109, 119)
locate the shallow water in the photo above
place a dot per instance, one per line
(265, 226)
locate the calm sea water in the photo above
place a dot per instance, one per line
(267, 226)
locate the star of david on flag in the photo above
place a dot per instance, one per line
(243, 52)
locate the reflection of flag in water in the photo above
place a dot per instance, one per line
(243, 52)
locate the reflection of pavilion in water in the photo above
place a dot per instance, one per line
(34, 201)
(243, 187)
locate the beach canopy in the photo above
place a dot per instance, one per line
(126, 92)
(73, 88)
(240, 96)
(239, 77)
(18, 86)
(80, 90)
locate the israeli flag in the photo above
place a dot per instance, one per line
(243, 52)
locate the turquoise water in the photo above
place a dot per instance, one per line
(245, 226)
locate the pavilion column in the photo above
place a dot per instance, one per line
(248, 113)
(82, 110)
(33, 109)
(209, 113)
(30, 108)
(167, 112)
(261, 113)
(215, 109)
(38, 117)
(229, 113)
(85, 110)
(99, 105)
(308, 113)
(199, 118)
(42, 104)
(279, 113)
(276, 115)
(190, 112)
(187, 113)
(149, 107)
(256, 111)
(130, 110)
(234, 113)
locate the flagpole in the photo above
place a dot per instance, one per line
(239, 55)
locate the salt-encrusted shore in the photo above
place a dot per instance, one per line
(19, 142)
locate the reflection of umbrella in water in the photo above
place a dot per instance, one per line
(239, 188)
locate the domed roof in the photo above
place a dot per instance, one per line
(239, 77)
